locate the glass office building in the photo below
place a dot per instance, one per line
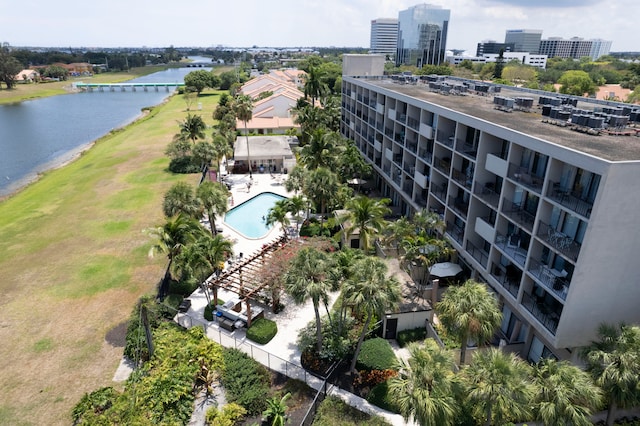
(422, 35)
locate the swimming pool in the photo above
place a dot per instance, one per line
(246, 218)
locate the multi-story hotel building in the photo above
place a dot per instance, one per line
(384, 36)
(541, 208)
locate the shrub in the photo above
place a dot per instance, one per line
(183, 165)
(333, 411)
(136, 344)
(407, 336)
(208, 310)
(379, 396)
(95, 402)
(173, 301)
(262, 331)
(371, 378)
(245, 381)
(376, 354)
(184, 288)
(228, 416)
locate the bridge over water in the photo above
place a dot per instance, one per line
(112, 87)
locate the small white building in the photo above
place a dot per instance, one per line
(267, 154)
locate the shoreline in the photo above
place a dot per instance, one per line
(70, 156)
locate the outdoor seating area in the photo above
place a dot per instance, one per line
(233, 314)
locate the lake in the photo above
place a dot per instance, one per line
(40, 134)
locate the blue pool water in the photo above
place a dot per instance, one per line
(246, 218)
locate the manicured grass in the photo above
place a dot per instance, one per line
(74, 262)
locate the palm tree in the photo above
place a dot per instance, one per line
(296, 179)
(498, 387)
(278, 214)
(213, 197)
(424, 386)
(192, 128)
(366, 216)
(243, 108)
(295, 205)
(322, 150)
(215, 251)
(313, 85)
(469, 312)
(423, 251)
(171, 238)
(276, 410)
(180, 198)
(371, 292)
(203, 153)
(321, 187)
(614, 364)
(564, 394)
(305, 280)
(221, 149)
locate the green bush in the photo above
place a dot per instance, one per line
(173, 301)
(208, 310)
(333, 411)
(262, 331)
(407, 336)
(136, 343)
(184, 288)
(228, 416)
(94, 403)
(184, 165)
(379, 396)
(245, 380)
(376, 354)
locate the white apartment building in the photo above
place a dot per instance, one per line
(384, 36)
(538, 206)
(526, 58)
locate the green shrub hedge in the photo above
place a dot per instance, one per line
(379, 396)
(208, 310)
(407, 336)
(333, 411)
(262, 331)
(376, 354)
(246, 382)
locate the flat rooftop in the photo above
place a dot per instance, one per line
(606, 146)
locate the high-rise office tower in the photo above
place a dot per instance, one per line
(384, 36)
(524, 40)
(422, 35)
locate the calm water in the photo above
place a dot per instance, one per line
(247, 218)
(39, 134)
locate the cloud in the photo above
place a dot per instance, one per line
(537, 4)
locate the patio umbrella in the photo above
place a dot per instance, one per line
(356, 181)
(445, 269)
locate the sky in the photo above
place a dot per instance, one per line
(294, 23)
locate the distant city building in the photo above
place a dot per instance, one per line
(524, 40)
(384, 36)
(491, 46)
(525, 58)
(422, 35)
(600, 48)
(559, 47)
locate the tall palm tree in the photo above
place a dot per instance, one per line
(424, 386)
(295, 205)
(365, 215)
(171, 238)
(181, 198)
(565, 394)
(278, 214)
(213, 197)
(321, 186)
(498, 387)
(192, 128)
(215, 251)
(322, 149)
(370, 292)
(306, 279)
(423, 251)
(314, 87)
(243, 107)
(469, 311)
(614, 364)
(221, 149)
(296, 179)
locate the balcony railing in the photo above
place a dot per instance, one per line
(466, 148)
(462, 179)
(459, 205)
(542, 312)
(478, 254)
(518, 214)
(559, 241)
(443, 164)
(509, 277)
(553, 280)
(446, 140)
(456, 232)
(525, 178)
(510, 245)
(413, 147)
(487, 194)
(570, 200)
(413, 123)
(440, 191)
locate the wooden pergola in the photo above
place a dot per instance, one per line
(244, 276)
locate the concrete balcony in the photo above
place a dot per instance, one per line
(525, 178)
(519, 215)
(562, 243)
(541, 312)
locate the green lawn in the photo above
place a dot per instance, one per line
(74, 261)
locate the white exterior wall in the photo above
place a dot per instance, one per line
(363, 65)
